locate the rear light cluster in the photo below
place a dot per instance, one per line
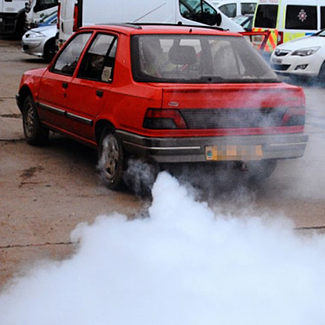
(163, 119)
(75, 17)
(280, 38)
(59, 16)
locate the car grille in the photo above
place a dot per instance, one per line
(280, 67)
(233, 118)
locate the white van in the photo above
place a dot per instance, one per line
(12, 17)
(234, 8)
(288, 20)
(75, 13)
(38, 9)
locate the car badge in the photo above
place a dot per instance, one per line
(173, 104)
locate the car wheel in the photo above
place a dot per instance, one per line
(35, 133)
(321, 75)
(111, 160)
(259, 170)
(49, 50)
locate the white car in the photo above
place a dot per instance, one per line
(40, 41)
(303, 57)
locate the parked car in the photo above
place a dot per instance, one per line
(166, 94)
(302, 57)
(40, 41)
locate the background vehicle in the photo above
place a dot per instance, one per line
(76, 13)
(38, 9)
(288, 20)
(303, 57)
(168, 95)
(233, 8)
(12, 17)
(245, 21)
(51, 19)
(40, 41)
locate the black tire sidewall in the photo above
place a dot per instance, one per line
(47, 50)
(38, 134)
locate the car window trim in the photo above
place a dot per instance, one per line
(92, 40)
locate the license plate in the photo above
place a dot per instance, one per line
(233, 152)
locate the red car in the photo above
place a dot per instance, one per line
(169, 94)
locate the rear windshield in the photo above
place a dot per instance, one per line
(197, 58)
(266, 16)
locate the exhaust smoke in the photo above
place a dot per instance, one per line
(183, 264)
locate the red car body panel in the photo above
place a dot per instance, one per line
(76, 106)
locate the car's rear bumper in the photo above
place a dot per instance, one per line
(171, 150)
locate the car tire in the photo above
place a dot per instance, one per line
(321, 75)
(49, 50)
(260, 170)
(111, 160)
(35, 133)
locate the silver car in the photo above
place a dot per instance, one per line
(40, 41)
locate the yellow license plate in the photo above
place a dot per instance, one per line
(233, 152)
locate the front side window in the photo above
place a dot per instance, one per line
(301, 17)
(229, 9)
(197, 59)
(67, 61)
(45, 4)
(98, 62)
(200, 11)
(248, 8)
(266, 16)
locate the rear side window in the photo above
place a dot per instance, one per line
(248, 8)
(266, 16)
(67, 61)
(229, 9)
(322, 17)
(301, 17)
(98, 62)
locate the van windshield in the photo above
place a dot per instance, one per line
(197, 59)
(266, 16)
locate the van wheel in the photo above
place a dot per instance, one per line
(35, 133)
(111, 160)
(49, 50)
(321, 75)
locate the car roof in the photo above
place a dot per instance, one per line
(136, 29)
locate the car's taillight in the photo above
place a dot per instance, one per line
(75, 17)
(163, 119)
(59, 15)
(280, 38)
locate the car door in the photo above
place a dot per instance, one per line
(53, 95)
(89, 89)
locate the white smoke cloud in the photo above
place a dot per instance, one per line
(182, 265)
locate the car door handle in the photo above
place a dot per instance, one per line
(65, 85)
(99, 93)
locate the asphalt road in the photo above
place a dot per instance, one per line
(45, 192)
